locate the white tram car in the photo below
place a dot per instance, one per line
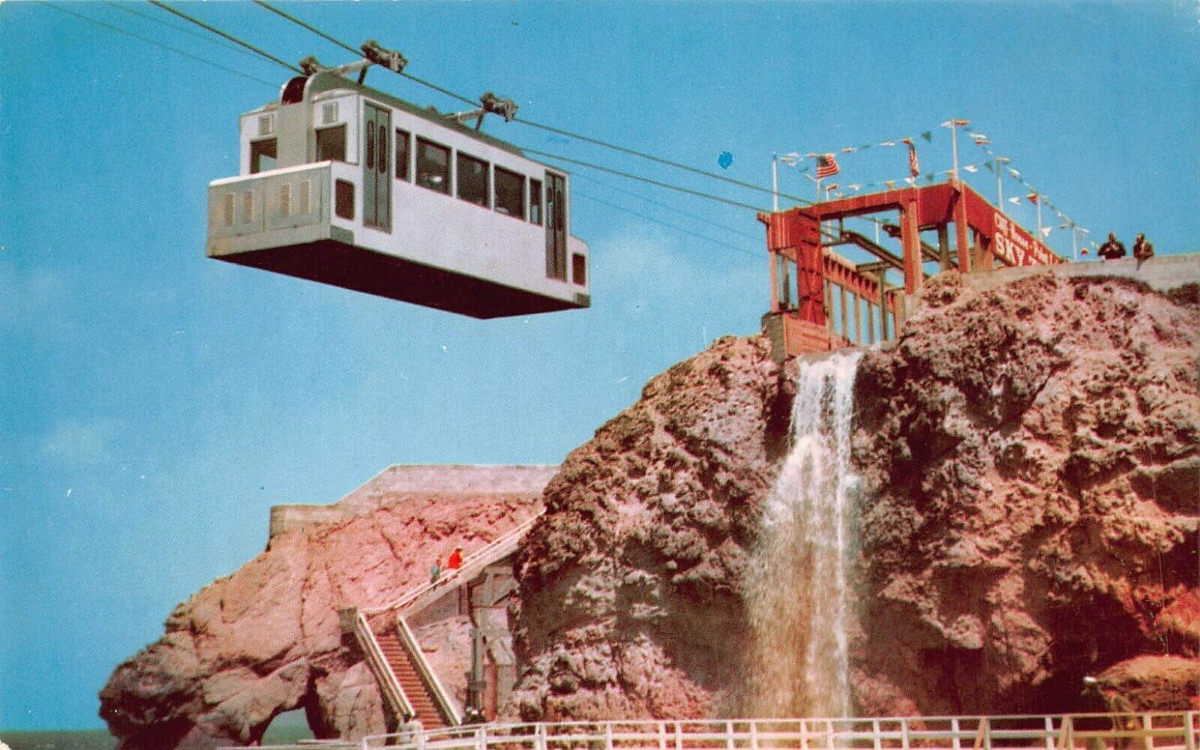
(345, 185)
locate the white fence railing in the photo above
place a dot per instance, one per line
(393, 693)
(1140, 731)
(445, 704)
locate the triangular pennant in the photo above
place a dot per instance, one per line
(928, 136)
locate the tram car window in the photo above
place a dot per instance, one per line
(472, 180)
(403, 138)
(262, 155)
(535, 201)
(510, 193)
(345, 185)
(433, 166)
(331, 143)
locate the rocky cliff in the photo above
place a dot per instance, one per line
(266, 639)
(1031, 457)
(631, 583)
(1033, 464)
(1029, 515)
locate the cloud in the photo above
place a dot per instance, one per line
(81, 443)
(30, 296)
(651, 270)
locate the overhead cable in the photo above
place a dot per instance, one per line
(575, 193)
(304, 25)
(343, 45)
(639, 178)
(543, 126)
(169, 48)
(669, 207)
(127, 7)
(230, 37)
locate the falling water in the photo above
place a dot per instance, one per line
(798, 577)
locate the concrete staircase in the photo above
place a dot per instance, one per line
(407, 681)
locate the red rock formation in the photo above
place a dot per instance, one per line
(266, 639)
(630, 598)
(1033, 461)
(1032, 455)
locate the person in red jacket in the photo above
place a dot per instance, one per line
(456, 559)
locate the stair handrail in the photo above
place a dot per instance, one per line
(426, 673)
(485, 555)
(389, 684)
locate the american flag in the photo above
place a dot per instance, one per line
(827, 166)
(914, 167)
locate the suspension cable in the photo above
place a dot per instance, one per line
(543, 126)
(304, 25)
(661, 204)
(126, 7)
(169, 48)
(230, 37)
(639, 178)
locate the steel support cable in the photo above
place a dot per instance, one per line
(639, 178)
(658, 160)
(302, 24)
(169, 48)
(305, 25)
(230, 37)
(577, 194)
(126, 7)
(543, 126)
(667, 206)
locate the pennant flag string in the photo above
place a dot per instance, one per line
(1033, 195)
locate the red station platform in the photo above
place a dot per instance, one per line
(807, 275)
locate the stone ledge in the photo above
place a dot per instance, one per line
(401, 481)
(1161, 273)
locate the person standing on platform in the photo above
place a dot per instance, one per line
(1112, 249)
(1142, 249)
(456, 559)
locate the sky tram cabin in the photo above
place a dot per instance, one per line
(345, 185)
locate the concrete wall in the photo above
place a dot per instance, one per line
(1161, 273)
(396, 483)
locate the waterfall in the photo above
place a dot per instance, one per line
(797, 581)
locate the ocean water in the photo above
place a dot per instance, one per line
(287, 728)
(92, 739)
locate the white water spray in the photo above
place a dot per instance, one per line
(798, 580)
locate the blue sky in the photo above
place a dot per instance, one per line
(156, 403)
